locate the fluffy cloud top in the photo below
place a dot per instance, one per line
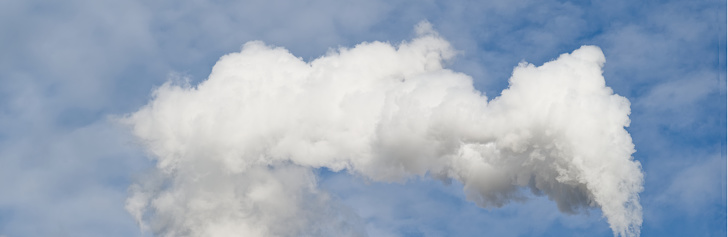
(235, 153)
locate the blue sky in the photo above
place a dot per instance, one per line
(67, 68)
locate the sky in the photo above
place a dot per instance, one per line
(77, 127)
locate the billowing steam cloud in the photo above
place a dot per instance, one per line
(235, 153)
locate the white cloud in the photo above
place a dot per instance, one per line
(234, 153)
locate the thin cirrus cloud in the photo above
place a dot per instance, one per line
(236, 154)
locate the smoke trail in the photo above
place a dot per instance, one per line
(234, 154)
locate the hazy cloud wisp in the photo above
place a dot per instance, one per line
(235, 153)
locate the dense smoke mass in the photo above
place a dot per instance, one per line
(235, 154)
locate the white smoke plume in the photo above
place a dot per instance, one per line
(235, 154)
